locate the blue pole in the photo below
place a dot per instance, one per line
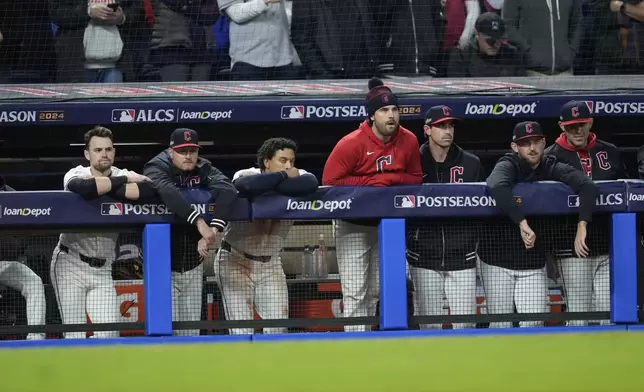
(623, 268)
(393, 274)
(157, 280)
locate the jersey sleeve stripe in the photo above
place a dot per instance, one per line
(193, 216)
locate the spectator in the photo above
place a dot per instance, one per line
(488, 54)
(334, 40)
(83, 30)
(406, 36)
(548, 31)
(491, 6)
(459, 18)
(619, 36)
(182, 39)
(260, 41)
(26, 42)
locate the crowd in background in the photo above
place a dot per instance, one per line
(76, 41)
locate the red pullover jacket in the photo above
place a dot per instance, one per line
(361, 159)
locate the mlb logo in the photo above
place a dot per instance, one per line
(123, 115)
(573, 201)
(112, 209)
(405, 201)
(292, 112)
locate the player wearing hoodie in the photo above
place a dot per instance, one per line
(601, 161)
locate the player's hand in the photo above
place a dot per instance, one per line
(207, 233)
(293, 172)
(116, 17)
(100, 12)
(616, 5)
(136, 177)
(527, 234)
(267, 2)
(202, 247)
(581, 249)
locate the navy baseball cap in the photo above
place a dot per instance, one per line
(491, 25)
(575, 112)
(438, 114)
(184, 137)
(525, 130)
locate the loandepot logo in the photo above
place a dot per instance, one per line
(612, 199)
(115, 209)
(636, 197)
(35, 212)
(318, 205)
(414, 201)
(501, 109)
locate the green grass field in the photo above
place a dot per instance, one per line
(566, 362)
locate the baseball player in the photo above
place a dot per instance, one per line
(21, 278)
(379, 153)
(514, 273)
(181, 167)
(81, 266)
(248, 265)
(600, 161)
(442, 253)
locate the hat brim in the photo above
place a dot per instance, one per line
(541, 135)
(579, 120)
(440, 120)
(185, 145)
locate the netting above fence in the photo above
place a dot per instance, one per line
(103, 41)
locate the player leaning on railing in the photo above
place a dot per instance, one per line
(516, 273)
(379, 153)
(21, 278)
(181, 167)
(248, 265)
(81, 266)
(442, 253)
(600, 161)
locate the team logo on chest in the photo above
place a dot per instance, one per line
(456, 174)
(383, 161)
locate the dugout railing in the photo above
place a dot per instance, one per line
(618, 203)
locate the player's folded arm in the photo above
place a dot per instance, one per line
(302, 185)
(581, 184)
(142, 190)
(90, 188)
(170, 194)
(224, 194)
(258, 184)
(501, 183)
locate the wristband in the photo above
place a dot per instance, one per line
(118, 182)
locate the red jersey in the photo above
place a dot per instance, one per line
(360, 158)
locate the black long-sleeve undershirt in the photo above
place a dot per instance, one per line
(258, 184)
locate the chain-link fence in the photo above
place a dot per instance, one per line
(74, 285)
(104, 41)
(467, 267)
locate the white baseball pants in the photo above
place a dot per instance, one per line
(505, 288)
(432, 287)
(21, 278)
(359, 265)
(248, 285)
(582, 278)
(187, 297)
(83, 291)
